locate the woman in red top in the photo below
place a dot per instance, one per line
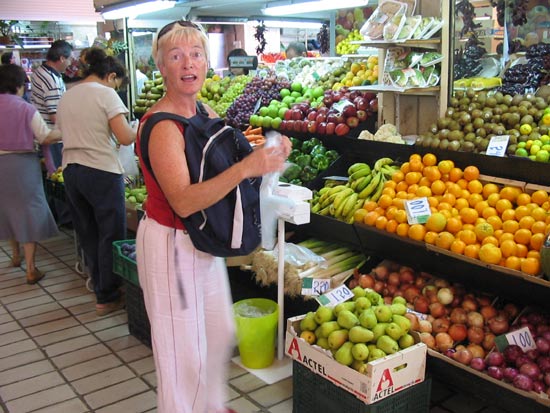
(186, 291)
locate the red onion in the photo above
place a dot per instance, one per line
(495, 372)
(533, 354)
(544, 364)
(543, 345)
(523, 382)
(450, 352)
(512, 352)
(547, 378)
(521, 360)
(494, 359)
(535, 319)
(478, 364)
(393, 279)
(538, 386)
(546, 335)
(510, 373)
(542, 328)
(530, 369)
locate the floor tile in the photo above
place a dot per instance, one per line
(21, 359)
(115, 393)
(68, 406)
(123, 342)
(134, 353)
(79, 356)
(139, 403)
(19, 305)
(284, 407)
(12, 281)
(52, 326)
(103, 323)
(76, 282)
(61, 335)
(44, 317)
(71, 302)
(72, 293)
(35, 291)
(25, 372)
(32, 385)
(18, 289)
(5, 318)
(111, 333)
(9, 327)
(273, 394)
(12, 336)
(143, 366)
(41, 399)
(15, 348)
(243, 405)
(151, 379)
(36, 310)
(87, 307)
(101, 380)
(67, 277)
(70, 345)
(247, 383)
(90, 367)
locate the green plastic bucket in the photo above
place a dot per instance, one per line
(256, 321)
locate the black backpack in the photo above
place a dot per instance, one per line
(231, 227)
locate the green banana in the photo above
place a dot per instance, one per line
(381, 162)
(336, 189)
(349, 204)
(388, 171)
(378, 192)
(369, 189)
(325, 210)
(338, 210)
(323, 190)
(328, 200)
(359, 173)
(341, 196)
(363, 183)
(355, 167)
(316, 208)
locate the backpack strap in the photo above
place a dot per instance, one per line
(146, 132)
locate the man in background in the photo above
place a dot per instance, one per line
(295, 49)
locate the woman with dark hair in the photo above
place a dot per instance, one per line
(24, 214)
(92, 119)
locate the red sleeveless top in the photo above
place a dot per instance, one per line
(157, 206)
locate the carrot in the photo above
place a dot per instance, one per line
(247, 130)
(254, 137)
(255, 131)
(258, 142)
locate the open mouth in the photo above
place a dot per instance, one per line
(188, 78)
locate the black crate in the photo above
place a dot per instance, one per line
(315, 394)
(54, 189)
(138, 321)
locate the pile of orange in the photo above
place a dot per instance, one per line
(496, 224)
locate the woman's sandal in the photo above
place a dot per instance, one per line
(15, 262)
(35, 276)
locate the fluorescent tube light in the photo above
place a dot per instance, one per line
(293, 24)
(292, 7)
(133, 10)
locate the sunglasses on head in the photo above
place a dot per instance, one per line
(182, 23)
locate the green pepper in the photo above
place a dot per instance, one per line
(296, 143)
(309, 174)
(308, 145)
(332, 155)
(296, 182)
(292, 172)
(321, 162)
(294, 153)
(318, 150)
(303, 160)
(283, 179)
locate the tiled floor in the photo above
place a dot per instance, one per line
(56, 355)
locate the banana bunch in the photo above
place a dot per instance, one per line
(364, 183)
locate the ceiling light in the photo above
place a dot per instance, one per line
(292, 7)
(133, 9)
(285, 24)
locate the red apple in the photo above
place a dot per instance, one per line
(322, 128)
(312, 126)
(349, 111)
(341, 129)
(312, 115)
(362, 115)
(288, 115)
(296, 114)
(373, 105)
(321, 117)
(331, 126)
(304, 126)
(352, 121)
(284, 125)
(361, 103)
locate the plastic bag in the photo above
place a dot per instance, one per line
(127, 159)
(299, 256)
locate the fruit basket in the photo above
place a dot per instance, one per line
(124, 264)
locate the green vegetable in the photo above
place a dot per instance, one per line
(332, 155)
(296, 182)
(283, 179)
(294, 153)
(292, 172)
(303, 160)
(309, 173)
(296, 143)
(318, 150)
(308, 145)
(321, 162)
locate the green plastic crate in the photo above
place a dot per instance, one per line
(314, 394)
(122, 265)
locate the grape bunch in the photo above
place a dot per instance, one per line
(235, 89)
(523, 78)
(323, 38)
(260, 37)
(519, 12)
(263, 89)
(467, 61)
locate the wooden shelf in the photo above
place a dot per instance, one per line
(427, 91)
(424, 44)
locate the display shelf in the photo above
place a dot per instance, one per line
(432, 44)
(428, 91)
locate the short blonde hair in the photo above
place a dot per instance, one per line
(176, 31)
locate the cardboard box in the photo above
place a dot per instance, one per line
(385, 376)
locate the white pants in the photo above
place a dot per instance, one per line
(188, 301)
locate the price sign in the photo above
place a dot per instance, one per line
(497, 145)
(420, 316)
(521, 337)
(315, 76)
(336, 296)
(314, 286)
(418, 210)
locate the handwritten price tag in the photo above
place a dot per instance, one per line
(418, 210)
(336, 296)
(521, 337)
(497, 145)
(420, 316)
(314, 286)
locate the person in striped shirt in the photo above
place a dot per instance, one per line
(47, 86)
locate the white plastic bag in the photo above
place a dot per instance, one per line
(127, 159)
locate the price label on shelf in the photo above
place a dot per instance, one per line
(336, 296)
(497, 145)
(521, 337)
(418, 210)
(420, 316)
(314, 286)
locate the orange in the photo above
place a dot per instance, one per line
(444, 206)
(448, 198)
(415, 165)
(468, 236)
(371, 217)
(483, 230)
(402, 229)
(398, 202)
(390, 212)
(489, 212)
(540, 214)
(444, 240)
(424, 182)
(508, 214)
(412, 177)
(475, 186)
(389, 191)
(359, 215)
(415, 156)
(429, 159)
(522, 236)
(391, 226)
(458, 246)
(401, 216)
(430, 237)
(498, 233)
(539, 197)
(526, 222)
(385, 201)
(505, 236)
(510, 226)
(398, 176)
(381, 222)
(436, 222)
(510, 193)
(380, 211)
(468, 215)
(533, 254)
(454, 224)
(455, 189)
(445, 166)
(512, 262)
(455, 174)
(521, 211)
(478, 206)
(472, 250)
(462, 183)
(503, 204)
(475, 199)
(423, 191)
(490, 240)
(461, 203)
(539, 227)
(417, 232)
(401, 186)
(489, 189)
(434, 202)
(495, 222)
(405, 167)
(508, 248)
(522, 251)
(490, 254)
(530, 266)
(412, 188)
(523, 199)
(471, 172)
(492, 199)
(536, 241)
(370, 205)
(432, 173)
